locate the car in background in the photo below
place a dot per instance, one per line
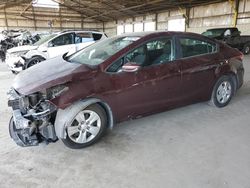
(12, 38)
(76, 98)
(23, 57)
(231, 36)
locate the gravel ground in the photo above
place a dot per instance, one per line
(197, 146)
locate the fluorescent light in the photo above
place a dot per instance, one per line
(176, 24)
(45, 3)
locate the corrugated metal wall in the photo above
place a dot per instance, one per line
(11, 18)
(200, 18)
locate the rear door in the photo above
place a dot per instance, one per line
(83, 39)
(199, 59)
(62, 44)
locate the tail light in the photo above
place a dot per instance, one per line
(241, 56)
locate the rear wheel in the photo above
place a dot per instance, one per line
(223, 91)
(33, 61)
(86, 128)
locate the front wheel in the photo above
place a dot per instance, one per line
(33, 61)
(223, 91)
(86, 128)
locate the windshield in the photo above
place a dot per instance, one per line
(100, 51)
(44, 39)
(214, 33)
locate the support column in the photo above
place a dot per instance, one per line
(60, 17)
(187, 17)
(34, 18)
(235, 7)
(81, 21)
(156, 21)
(5, 19)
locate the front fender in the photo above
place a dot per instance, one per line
(64, 116)
(33, 53)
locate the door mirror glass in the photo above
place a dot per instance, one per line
(227, 33)
(50, 44)
(130, 67)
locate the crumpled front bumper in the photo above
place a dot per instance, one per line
(15, 63)
(30, 124)
(17, 102)
(20, 128)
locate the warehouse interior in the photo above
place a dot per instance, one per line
(194, 146)
(108, 16)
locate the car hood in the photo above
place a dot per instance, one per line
(22, 48)
(50, 73)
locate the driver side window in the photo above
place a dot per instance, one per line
(154, 52)
(138, 56)
(65, 39)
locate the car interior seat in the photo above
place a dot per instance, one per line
(166, 54)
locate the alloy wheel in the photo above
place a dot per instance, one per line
(85, 127)
(224, 92)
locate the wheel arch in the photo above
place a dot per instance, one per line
(62, 121)
(40, 56)
(27, 61)
(231, 74)
(229, 69)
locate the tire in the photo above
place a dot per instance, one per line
(33, 61)
(14, 72)
(13, 134)
(246, 48)
(81, 133)
(223, 91)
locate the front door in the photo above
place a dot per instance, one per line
(154, 87)
(61, 44)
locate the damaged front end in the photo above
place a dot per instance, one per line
(33, 118)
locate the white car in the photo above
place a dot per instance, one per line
(23, 57)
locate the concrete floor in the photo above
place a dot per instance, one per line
(197, 146)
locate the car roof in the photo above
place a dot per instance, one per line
(82, 31)
(222, 28)
(157, 33)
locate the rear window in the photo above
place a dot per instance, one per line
(97, 36)
(193, 47)
(83, 37)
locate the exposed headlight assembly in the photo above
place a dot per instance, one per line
(20, 53)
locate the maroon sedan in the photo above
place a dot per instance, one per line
(76, 98)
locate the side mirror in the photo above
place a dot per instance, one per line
(130, 67)
(50, 44)
(227, 33)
